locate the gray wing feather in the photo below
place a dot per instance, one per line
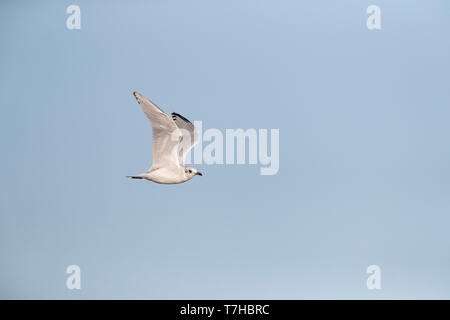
(190, 136)
(166, 135)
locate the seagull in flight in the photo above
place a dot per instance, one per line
(172, 139)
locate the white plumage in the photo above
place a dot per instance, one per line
(172, 139)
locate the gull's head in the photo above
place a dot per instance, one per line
(191, 172)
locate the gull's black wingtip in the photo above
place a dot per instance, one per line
(136, 96)
(175, 115)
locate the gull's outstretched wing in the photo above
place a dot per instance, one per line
(166, 135)
(190, 136)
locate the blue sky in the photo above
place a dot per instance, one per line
(364, 159)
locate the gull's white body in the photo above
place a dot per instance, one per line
(165, 175)
(172, 140)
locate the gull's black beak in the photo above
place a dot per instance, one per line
(199, 173)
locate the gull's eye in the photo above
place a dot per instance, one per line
(190, 171)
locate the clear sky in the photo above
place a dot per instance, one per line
(364, 149)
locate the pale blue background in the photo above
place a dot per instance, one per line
(364, 163)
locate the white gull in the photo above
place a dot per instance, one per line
(172, 140)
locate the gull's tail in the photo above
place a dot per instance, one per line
(139, 176)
